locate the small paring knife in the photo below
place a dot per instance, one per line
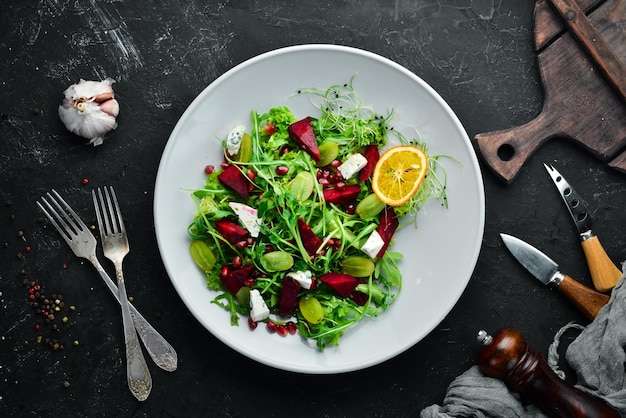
(604, 273)
(587, 300)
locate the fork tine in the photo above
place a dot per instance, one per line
(100, 214)
(120, 221)
(111, 218)
(53, 219)
(74, 220)
(67, 226)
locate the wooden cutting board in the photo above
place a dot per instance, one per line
(580, 103)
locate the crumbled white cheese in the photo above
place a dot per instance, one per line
(258, 309)
(373, 245)
(354, 164)
(233, 140)
(248, 217)
(304, 278)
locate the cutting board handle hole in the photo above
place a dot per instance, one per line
(506, 152)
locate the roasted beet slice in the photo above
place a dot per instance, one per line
(387, 227)
(342, 284)
(234, 279)
(231, 232)
(359, 298)
(310, 241)
(234, 179)
(345, 196)
(372, 156)
(301, 132)
(289, 296)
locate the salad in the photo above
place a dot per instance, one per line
(290, 231)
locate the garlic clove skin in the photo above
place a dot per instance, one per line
(87, 90)
(110, 107)
(89, 109)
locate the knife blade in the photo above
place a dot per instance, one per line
(587, 300)
(604, 273)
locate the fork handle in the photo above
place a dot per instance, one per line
(137, 373)
(158, 348)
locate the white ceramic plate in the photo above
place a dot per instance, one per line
(440, 255)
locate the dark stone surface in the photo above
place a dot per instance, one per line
(478, 55)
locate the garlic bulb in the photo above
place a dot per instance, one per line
(89, 109)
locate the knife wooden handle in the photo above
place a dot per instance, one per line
(506, 356)
(604, 273)
(587, 300)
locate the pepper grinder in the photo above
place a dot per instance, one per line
(506, 356)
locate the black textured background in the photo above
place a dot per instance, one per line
(477, 54)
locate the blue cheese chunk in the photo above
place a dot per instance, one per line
(354, 164)
(258, 309)
(233, 140)
(373, 245)
(304, 278)
(248, 217)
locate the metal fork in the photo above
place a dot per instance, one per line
(115, 247)
(83, 244)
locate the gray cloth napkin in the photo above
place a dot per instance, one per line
(597, 356)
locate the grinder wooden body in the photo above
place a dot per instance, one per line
(507, 357)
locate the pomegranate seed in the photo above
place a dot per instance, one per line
(269, 129)
(251, 174)
(237, 262)
(324, 182)
(281, 170)
(209, 169)
(269, 248)
(241, 244)
(292, 327)
(340, 185)
(249, 282)
(282, 330)
(271, 326)
(351, 209)
(224, 271)
(285, 150)
(224, 165)
(252, 324)
(335, 163)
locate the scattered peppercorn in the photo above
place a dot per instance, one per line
(85, 181)
(47, 307)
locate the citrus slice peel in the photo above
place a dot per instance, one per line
(399, 173)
